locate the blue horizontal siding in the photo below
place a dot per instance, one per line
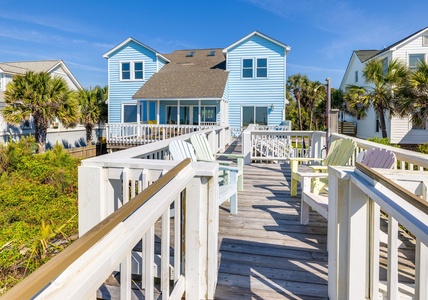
(256, 91)
(122, 91)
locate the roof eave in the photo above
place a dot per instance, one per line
(286, 47)
(130, 39)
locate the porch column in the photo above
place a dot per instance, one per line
(138, 111)
(148, 110)
(178, 112)
(158, 112)
(199, 112)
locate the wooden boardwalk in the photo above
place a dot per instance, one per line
(265, 253)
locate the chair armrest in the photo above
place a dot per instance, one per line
(313, 174)
(305, 159)
(220, 162)
(230, 155)
(323, 169)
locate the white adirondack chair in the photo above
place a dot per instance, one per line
(203, 153)
(180, 150)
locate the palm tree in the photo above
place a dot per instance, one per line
(42, 97)
(381, 92)
(413, 96)
(313, 94)
(93, 110)
(296, 84)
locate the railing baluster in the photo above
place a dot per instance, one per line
(392, 258)
(421, 272)
(165, 245)
(125, 278)
(149, 256)
(374, 248)
(177, 239)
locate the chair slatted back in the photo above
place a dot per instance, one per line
(340, 152)
(202, 147)
(180, 150)
(379, 158)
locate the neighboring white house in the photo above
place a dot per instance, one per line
(71, 137)
(409, 50)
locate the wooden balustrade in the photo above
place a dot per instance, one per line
(131, 134)
(356, 197)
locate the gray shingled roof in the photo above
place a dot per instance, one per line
(200, 76)
(364, 55)
(24, 66)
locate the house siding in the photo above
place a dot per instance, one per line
(122, 91)
(256, 91)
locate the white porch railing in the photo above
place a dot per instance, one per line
(356, 197)
(278, 144)
(128, 134)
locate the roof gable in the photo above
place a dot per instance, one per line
(287, 48)
(129, 40)
(48, 66)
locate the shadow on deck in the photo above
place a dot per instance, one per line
(265, 253)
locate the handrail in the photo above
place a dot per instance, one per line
(49, 271)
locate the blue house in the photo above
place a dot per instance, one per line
(235, 86)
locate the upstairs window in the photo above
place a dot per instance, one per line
(247, 68)
(384, 66)
(356, 76)
(254, 68)
(415, 60)
(261, 67)
(132, 70)
(425, 41)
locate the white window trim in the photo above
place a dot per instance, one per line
(416, 53)
(254, 59)
(2, 82)
(122, 116)
(425, 41)
(254, 113)
(131, 70)
(191, 116)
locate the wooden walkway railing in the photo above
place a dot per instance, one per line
(356, 198)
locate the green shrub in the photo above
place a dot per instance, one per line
(38, 201)
(423, 148)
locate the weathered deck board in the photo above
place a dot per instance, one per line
(265, 253)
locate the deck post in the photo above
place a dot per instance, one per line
(246, 145)
(337, 236)
(358, 260)
(92, 192)
(196, 239)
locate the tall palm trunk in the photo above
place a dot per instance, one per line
(383, 124)
(89, 127)
(40, 132)
(299, 111)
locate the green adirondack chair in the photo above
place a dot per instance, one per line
(204, 153)
(339, 154)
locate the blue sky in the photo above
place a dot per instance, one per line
(321, 33)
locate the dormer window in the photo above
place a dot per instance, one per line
(132, 70)
(212, 53)
(190, 54)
